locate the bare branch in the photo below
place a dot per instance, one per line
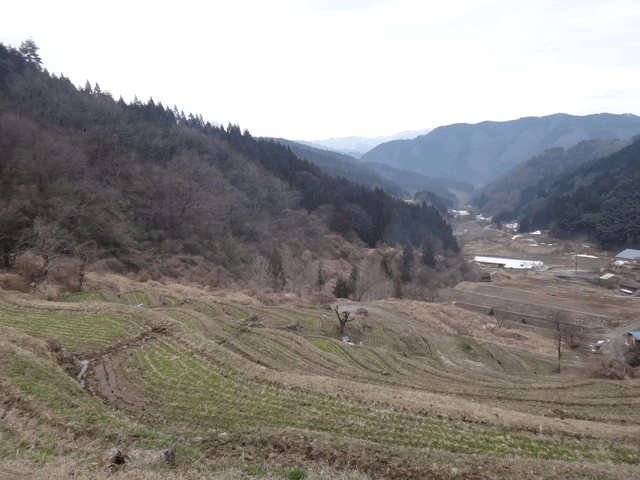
(342, 319)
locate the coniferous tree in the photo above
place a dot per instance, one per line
(29, 49)
(384, 266)
(407, 263)
(353, 282)
(341, 289)
(428, 258)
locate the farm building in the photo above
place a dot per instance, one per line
(628, 254)
(633, 337)
(627, 286)
(504, 262)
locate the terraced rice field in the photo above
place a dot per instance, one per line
(280, 384)
(76, 327)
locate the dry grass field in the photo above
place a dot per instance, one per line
(245, 390)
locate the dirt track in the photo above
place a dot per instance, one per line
(617, 339)
(103, 379)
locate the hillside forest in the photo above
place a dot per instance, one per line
(599, 198)
(146, 189)
(182, 300)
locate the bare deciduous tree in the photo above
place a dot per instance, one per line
(260, 271)
(572, 334)
(293, 269)
(85, 254)
(48, 242)
(558, 320)
(343, 318)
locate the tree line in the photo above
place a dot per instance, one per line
(141, 178)
(602, 199)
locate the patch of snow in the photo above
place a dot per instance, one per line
(515, 236)
(537, 232)
(617, 263)
(607, 276)
(586, 256)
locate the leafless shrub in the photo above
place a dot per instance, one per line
(615, 370)
(465, 329)
(572, 335)
(632, 355)
(13, 281)
(260, 271)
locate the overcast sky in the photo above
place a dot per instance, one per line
(314, 69)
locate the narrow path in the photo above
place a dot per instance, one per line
(617, 339)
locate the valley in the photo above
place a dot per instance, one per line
(182, 300)
(249, 388)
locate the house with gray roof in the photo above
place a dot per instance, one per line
(628, 254)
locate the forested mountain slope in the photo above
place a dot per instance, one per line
(481, 152)
(601, 198)
(142, 179)
(523, 182)
(337, 165)
(394, 181)
(415, 182)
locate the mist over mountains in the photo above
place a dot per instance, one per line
(481, 152)
(358, 146)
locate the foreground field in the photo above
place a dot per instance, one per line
(251, 391)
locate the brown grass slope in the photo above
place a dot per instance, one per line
(253, 391)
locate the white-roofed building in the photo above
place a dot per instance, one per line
(505, 262)
(628, 254)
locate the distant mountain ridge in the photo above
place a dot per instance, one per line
(358, 146)
(396, 182)
(600, 198)
(480, 152)
(337, 164)
(523, 182)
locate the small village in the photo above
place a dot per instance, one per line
(526, 278)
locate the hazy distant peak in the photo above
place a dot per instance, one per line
(361, 145)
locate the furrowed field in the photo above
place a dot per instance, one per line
(249, 391)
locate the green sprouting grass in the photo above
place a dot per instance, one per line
(85, 297)
(194, 392)
(135, 299)
(372, 358)
(310, 321)
(184, 318)
(203, 308)
(53, 397)
(73, 329)
(329, 346)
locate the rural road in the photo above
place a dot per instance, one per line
(617, 338)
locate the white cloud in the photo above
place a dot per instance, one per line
(308, 69)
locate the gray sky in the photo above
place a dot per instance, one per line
(313, 69)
